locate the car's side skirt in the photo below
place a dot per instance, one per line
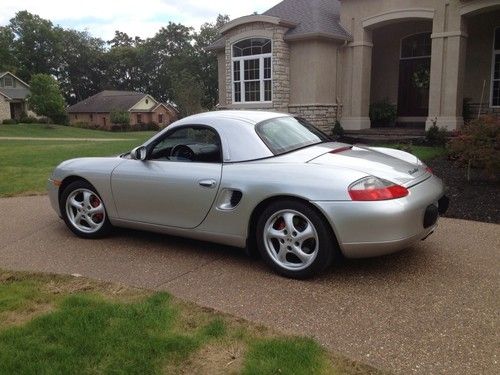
(221, 238)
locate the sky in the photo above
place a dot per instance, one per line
(135, 17)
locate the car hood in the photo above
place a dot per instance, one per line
(392, 165)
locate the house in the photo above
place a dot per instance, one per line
(143, 109)
(327, 60)
(13, 94)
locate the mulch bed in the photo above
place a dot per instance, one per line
(477, 200)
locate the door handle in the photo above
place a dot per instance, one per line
(207, 183)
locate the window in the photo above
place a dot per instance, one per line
(189, 144)
(91, 117)
(139, 118)
(8, 81)
(495, 71)
(160, 118)
(285, 134)
(147, 101)
(417, 45)
(76, 116)
(252, 71)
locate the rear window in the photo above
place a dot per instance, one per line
(285, 134)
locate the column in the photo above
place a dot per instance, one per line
(447, 69)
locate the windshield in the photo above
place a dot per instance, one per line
(285, 134)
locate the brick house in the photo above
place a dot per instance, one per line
(13, 94)
(143, 109)
(327, 60)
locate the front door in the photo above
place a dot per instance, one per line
(414, 75)
(177, 184)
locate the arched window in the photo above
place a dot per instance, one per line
(252, 70)
(415, 46)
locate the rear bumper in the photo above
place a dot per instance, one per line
(366, 229)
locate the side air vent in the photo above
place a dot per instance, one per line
(229, 199)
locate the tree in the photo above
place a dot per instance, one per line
(7, 59)
(187, 94)
(207, 60)
(46, 98)
(36, 45)
(82, 68)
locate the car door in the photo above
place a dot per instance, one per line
(171, 190)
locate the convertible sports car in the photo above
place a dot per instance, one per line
(256, 179)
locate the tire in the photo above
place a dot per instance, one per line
(295, 240)
(81, 198)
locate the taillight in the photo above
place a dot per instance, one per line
(428, 169)
(376, 189)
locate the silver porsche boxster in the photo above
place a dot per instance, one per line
(255, 179)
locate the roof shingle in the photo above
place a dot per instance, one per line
(107, 101)
(314, 18)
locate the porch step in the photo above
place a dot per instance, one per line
(384, 135)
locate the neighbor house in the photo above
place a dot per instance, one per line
(143, 109)
(328, 60)
(13, 94)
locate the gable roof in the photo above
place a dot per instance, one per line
(313, 17)
(107, 101)
(19, 92)
(307, 19)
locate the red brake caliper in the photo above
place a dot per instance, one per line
(95, 202)
(279, 224)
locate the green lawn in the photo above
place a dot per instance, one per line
(25, 165)
(58, 131)
(67, 325)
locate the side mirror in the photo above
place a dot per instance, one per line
(139, 153)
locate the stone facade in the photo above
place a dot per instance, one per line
(321, 116)
(280, 64)
(4, 108)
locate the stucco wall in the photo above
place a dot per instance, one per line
(479, 55)
(313, 70)
(386, 57)
(4, 108)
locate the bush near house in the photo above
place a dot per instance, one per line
(436, 136)
(9, 121)
(383, 113)
(120, 117)
(477, 145)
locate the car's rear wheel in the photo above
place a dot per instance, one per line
(83, 210)
(294, 239)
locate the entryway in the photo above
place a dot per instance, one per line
(414, 77)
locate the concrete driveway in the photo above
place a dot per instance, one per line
(431, 309)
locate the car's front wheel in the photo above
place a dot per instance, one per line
(294, 239)
(83, 210)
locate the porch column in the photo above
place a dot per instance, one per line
(447, 69)
(357, 68)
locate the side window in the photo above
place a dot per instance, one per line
(189, 144)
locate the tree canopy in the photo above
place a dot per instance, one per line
(172, 66)
(46, 98)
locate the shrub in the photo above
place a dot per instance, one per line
(84, 125)
(9, 121)
(120, 117)
(477, 145)
(119, 127)
(337, 130)
(383, 113)
(145, 127)
(436, 136)
(28, 119)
